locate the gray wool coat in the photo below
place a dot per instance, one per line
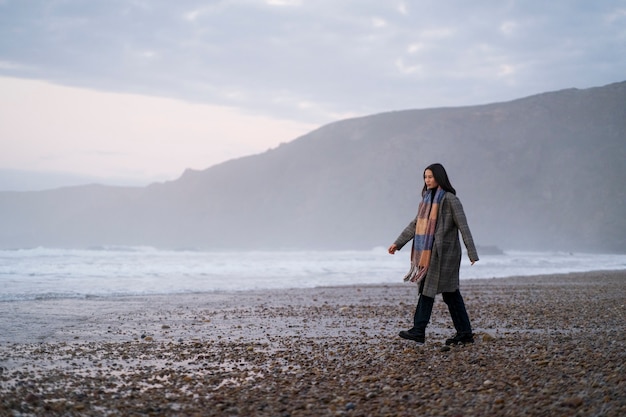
(445, 259)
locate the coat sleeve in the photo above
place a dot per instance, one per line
(407, 234)
(461, 222)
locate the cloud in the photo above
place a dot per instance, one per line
(405, 68)
(377, 22)
(330, 53)
(508, 27)
(284, 2)
(192, 15)
(13, 66)
(506, 70)
(403, 8)
(311, 62)
(616, 15)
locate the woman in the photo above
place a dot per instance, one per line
(436, 255)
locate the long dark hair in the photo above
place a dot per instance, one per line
(441, 176)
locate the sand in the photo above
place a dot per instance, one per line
(545, 346)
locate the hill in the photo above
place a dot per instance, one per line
(541, 172)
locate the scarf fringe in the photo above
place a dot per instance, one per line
(416, 274)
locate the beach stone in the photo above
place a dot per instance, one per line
(260, 357)
(486, 337)
(573, 402)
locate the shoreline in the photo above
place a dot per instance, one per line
(69, 319)
(280, 289)
(545, 345)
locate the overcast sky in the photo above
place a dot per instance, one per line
(143, 89)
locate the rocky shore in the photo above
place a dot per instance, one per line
(544, 346)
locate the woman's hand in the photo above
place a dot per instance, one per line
(392, 249)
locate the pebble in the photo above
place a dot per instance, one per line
(256, 355)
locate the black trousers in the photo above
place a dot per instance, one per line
(456, 307)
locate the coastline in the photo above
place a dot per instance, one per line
(545, 345)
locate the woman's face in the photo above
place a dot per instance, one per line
(429, 179)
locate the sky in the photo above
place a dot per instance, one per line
(140, 90)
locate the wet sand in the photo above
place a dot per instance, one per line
(545, 346)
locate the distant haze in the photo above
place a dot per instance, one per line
(18, 180)
(115, 138)
(542, 172)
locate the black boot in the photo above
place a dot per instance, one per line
(409, 335)
(460, 339)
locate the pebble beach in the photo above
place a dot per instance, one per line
(544, 346)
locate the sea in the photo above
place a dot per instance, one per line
(46, 273)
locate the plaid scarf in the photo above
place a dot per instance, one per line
(424, 235)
